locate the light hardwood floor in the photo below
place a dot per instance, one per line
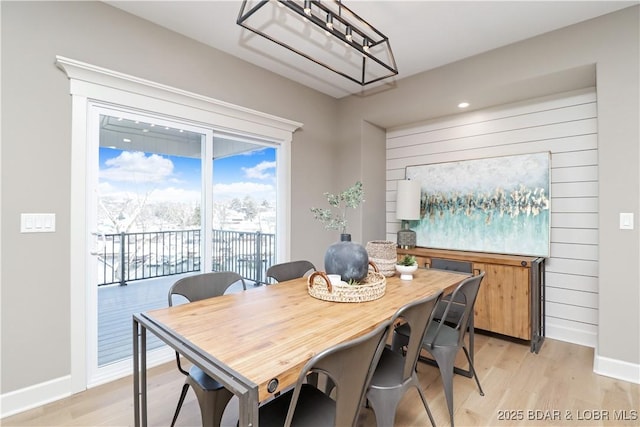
(556, 387)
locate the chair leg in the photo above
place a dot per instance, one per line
(473, 370)
(212, 404)
(445, 361)
(384, 407)
(424, 401)
(183, 394)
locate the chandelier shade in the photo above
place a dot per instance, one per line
(325, 32)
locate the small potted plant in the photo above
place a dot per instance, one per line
(406, 266)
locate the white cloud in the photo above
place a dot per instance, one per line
(241, 189)
(170, 194)
(260, 171)
(106, 188)
(173, 194)
(136, 167)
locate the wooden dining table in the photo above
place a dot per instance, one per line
(255, 342)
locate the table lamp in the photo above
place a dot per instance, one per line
(407, 209)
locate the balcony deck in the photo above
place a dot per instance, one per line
(117, 303)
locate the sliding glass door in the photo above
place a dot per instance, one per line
(167, 199)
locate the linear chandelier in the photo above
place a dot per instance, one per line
(325, 32)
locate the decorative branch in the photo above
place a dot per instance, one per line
(349, 198)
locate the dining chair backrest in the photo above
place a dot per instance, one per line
(395, 372)
(464, 295)
(290, 270)
(205, 285)
(212, 396)
(416, 316)
(451, 265)
(349, 366)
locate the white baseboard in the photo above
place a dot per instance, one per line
(33, 396)
(572, 335)
(40, 394)
(615, 368)
(582, 335)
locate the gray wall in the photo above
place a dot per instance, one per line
(36, 126)
(554, 62)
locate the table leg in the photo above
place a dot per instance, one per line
(136, 375)
(472, 335)
(139, 374)
(248, 410)
(143, 375)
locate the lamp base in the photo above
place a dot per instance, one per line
(406, 239)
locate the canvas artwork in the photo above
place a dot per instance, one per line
(497, 205)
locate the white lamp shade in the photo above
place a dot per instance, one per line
(408, 200)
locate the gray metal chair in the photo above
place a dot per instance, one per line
(212, 396)
(350, 366)
(290, 270)
(396, 371)
(444, 341)
(456, 310)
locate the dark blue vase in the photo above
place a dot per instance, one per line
(348, 259)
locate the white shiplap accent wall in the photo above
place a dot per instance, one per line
(563, 124)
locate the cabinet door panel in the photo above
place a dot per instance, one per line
(423, 262)
(503, 301)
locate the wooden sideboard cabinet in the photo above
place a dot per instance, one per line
(511, 297)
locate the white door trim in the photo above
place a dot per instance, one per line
(88, 83)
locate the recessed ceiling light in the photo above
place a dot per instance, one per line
(126, 140)
(463, 105)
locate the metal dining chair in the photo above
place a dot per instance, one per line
(349, 365)
(290, 270)
(456, 310)
(444, 341)
(212, 396)
(396, 370)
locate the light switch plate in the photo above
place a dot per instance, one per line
(626, 221)
(37, 223)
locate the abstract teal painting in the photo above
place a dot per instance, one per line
(497, 205)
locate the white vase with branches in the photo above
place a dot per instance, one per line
(346, 258)
(335, 218)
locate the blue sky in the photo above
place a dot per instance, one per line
(134, 174)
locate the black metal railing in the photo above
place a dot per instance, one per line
(126, 257)
(248, 254)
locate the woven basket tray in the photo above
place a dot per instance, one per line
(372, 287)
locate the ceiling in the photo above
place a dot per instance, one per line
(423, 34)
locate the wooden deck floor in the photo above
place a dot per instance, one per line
(116, 304)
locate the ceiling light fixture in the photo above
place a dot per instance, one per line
(463, 105)
(303, 27)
